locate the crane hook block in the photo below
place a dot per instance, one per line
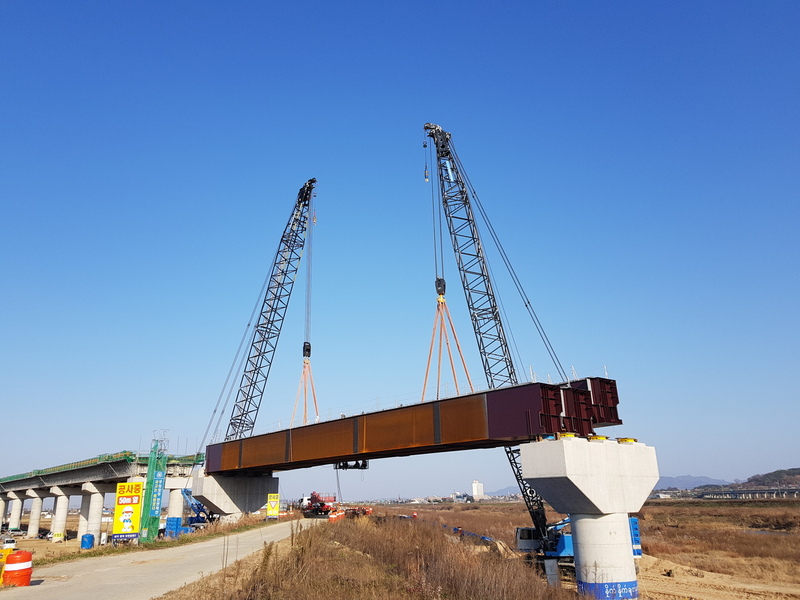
(440, 286)
(306, 349)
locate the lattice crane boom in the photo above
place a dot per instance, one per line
(474, 271)
(472, 266)
(273, 311)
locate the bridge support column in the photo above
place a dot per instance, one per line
(83, 516)
(233, 496)
(92, 511)
(62, 495)
(597, 482)
(16, 510)
(36, 511)
(3, 507)
(175, 508)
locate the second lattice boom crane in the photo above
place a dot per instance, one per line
(273, 311)
(483, 309)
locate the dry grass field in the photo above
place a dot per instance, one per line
(696, 550)
(374, 559)
(703, 550)
(753, 543)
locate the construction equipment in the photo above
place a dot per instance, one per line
(315, 506)
(560, 544)
(268, 329)
(456, 197)
(201, 514)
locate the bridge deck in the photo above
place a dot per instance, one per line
(501, 417)
(105, 468)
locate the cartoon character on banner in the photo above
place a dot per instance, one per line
(127, 519)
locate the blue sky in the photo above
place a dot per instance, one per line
(638, 160)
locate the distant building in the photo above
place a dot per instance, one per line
(477, 490)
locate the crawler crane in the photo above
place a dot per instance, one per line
(268, 328)
(486, 322)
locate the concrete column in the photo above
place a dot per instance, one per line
(36, 511)
(175, 508)
(59, 526)
(604, 546)
(83, 516)
(16, 509)
(3, 500)
(94, 511)
(597, 482)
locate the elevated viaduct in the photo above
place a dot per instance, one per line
(89, 480)
(751, 494)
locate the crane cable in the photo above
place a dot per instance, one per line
(525, 300)
(236, 366)
(442, 318)
(307, 377)
(436, 216)
(309, 246)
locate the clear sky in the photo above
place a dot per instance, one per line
(639, 160)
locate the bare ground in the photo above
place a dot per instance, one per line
(661, 579)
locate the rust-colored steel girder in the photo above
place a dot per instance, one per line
(499, 417)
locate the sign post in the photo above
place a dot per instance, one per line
(273, 506)
(127, 511)
(157, 493)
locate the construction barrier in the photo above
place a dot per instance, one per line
(18, 569)
(3, 556)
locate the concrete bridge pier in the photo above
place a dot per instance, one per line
(233, 496)
(598, 483)
(62, 494)
(3, 505)
(16, 509)
(175, 485)
(91, 516)
(36, 511)
(175, 508)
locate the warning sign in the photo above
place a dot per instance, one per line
(127, 510)
(273, 506)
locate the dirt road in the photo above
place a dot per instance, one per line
(143, 575)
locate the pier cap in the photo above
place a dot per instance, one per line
(600, 476)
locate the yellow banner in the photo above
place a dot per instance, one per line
(127, 510)
(273, 506)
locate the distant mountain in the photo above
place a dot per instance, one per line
(512, 489)
(789, 477)
(683, 482)
(687, 482)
